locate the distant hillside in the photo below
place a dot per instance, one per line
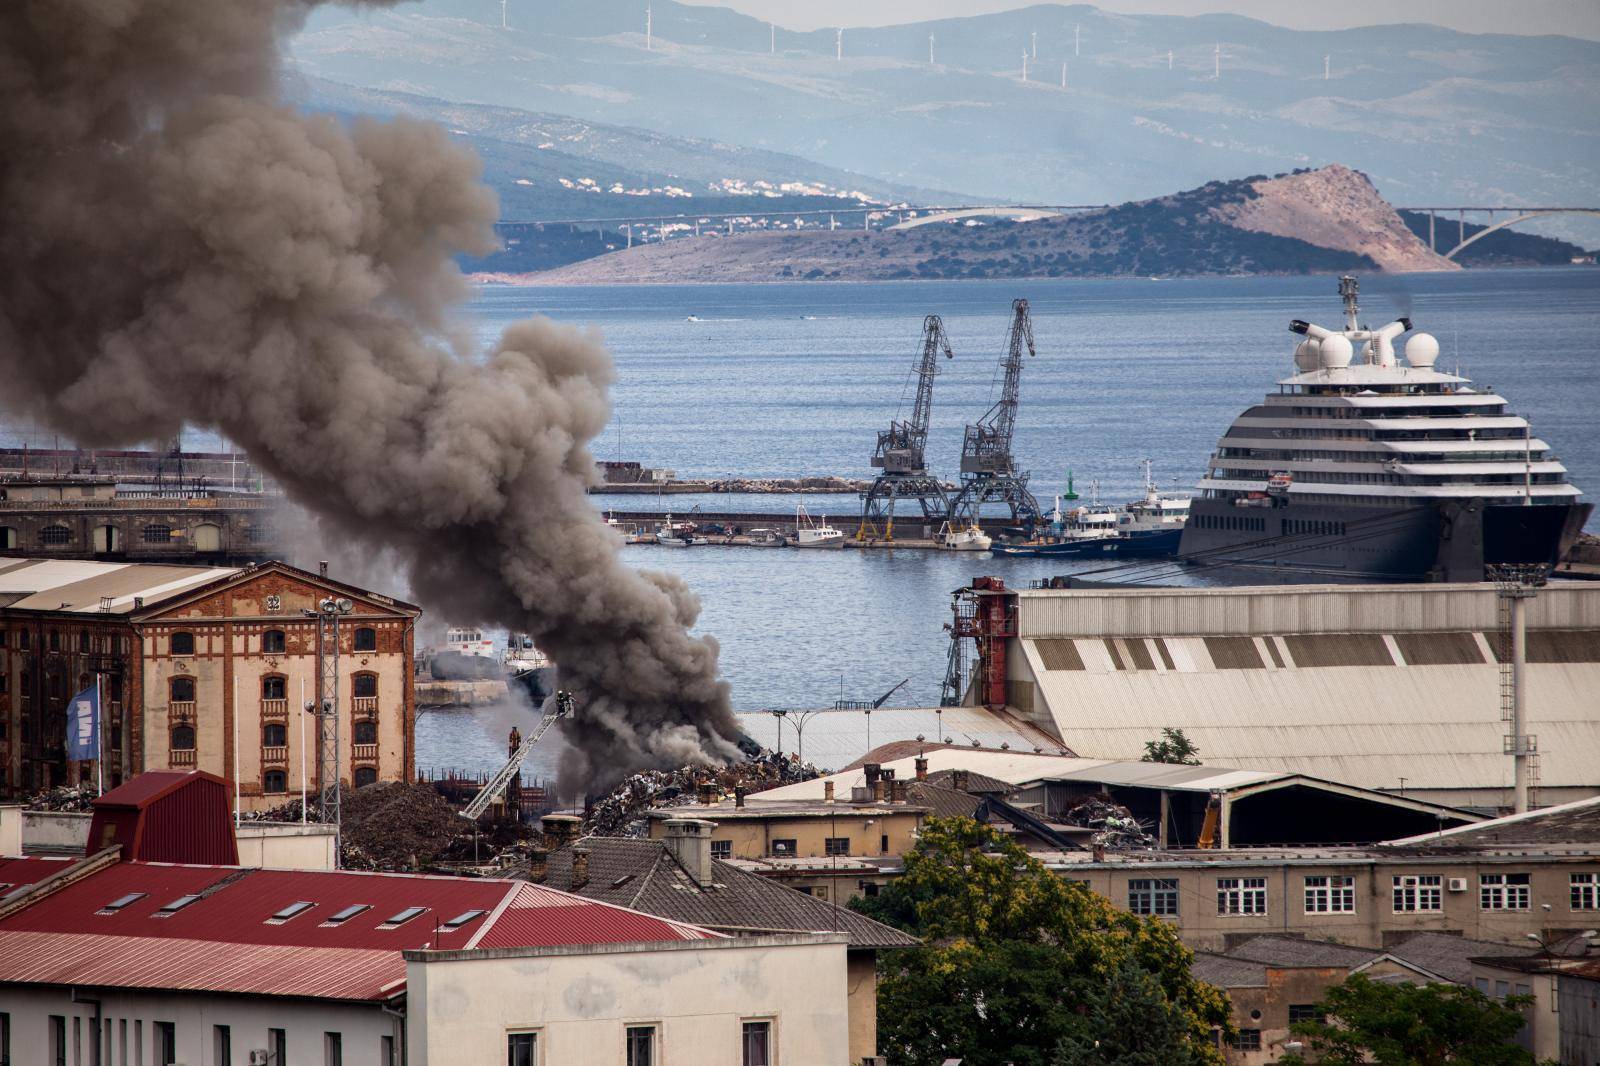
(1231, 227)
(1503, 248)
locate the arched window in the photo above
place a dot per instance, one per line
(156, 534)
(274, 781)
(183, 690)
(365, 685)
(83, 640)
(272, 642)
(55, 535)
(366, 639)
(183, 643)
(365, 732)
(366, 775)
(183, 737)
(274, 688)
(274, 735)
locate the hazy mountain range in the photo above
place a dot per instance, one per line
(1432, 115)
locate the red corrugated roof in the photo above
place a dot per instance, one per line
(299, 956)
(17, 870)
(146, 788)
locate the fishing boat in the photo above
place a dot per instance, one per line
(965, 539)
(809, 533)
(766, 537)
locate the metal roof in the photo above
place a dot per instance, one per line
(19, 870)
(835, 739)
(1568, 823)
(144, 789)
(78, 586)
(67, 936)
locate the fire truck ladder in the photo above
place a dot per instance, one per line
(560, 707)
(900, 452)
(989, 473)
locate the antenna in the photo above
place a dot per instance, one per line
(503, 25)
(1063, 73)
(930, 49)
(1033, 44)
(1169, 59)
(772, 38)
(838, 44)
(1216, 62)
(647, 28)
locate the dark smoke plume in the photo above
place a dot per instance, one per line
(178, 247)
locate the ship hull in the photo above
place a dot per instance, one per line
(1454, 540)
(1141, 545)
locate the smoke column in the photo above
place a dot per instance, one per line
(176, 246)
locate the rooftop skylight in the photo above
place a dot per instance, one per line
(121, 901)
(463, 918)
(290, 911)
(340, 917)
(168, 910)
(403, 917)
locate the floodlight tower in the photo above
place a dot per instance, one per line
(988, 471)
(329, 611)
(900, 454)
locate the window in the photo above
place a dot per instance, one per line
(522, 1049)
(1247, 1040)
(183, 737)
(365, 775)
(55, 535)
(722, 849)
(463, 918)
(1585, 892)
(83, 640)
(883, 844)
(333, 1049)
(366, 639)
(121, 901)
(182, 689)
(340, 917)
(1418, 892)
(783, 847)
(365, 686)
(1153, 896)
(274, 688)
(386, 1051)
(55, 640)
(365, 732)
(156, 534)
(1305, 1012)
(222, 1045)
(1241, 895)
(278, 1045)
(757, 1044)
(836, 846)
(274, 735)
(1503, 892)
(169, 909)
(1330, 895)
(183, 643)
(274, 782)
(166, 1043)
(5, 1039)
(640, 1043)
(58, 1039)
(272, 642)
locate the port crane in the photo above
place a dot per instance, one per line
(988, 471)
(900, 454)
(560, 707)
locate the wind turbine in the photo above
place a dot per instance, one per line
(930, 49)
(772, 38)
(1216, 62)
(1063, 73)
(647, 29)
(838, 44)
(1169, 59)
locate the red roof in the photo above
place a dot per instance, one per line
(17, 870)
(144, 789)
(64, 939)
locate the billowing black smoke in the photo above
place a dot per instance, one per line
(178, 247)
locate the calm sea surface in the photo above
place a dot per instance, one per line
(789, 380)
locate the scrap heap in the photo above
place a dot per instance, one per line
(64, 798)
(1115, 825)
(622, 812)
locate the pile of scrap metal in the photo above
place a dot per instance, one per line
(1115, 825)
(62, 799)
(623, 811)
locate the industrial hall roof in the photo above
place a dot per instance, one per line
(1576, 823)
(335, 935)
(644, 875)
(833, 739)
(1381, 687)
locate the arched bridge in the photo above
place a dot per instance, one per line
(1519, 214)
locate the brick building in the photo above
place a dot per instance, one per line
(200, 667)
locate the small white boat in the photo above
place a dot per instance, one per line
(766, 537)
(968, 539)
(813, 534)
(672, 534)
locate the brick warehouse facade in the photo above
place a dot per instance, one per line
(200, 656)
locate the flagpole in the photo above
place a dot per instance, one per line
(99, 740)
(302, 751)
(236, 751)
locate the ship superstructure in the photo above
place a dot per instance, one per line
(1367, 467)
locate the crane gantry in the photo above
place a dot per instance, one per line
(988, 469)
(900, 454)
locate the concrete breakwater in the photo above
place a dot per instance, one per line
(732, 527)
(746, 485)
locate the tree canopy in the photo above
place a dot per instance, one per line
(1173, 747)
(1020, 966)
(1415, 1025)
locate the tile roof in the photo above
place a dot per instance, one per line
(69, 936)
(643, 875)
(944, 802)
(1295, 951)
(975, 782)
(1225, 972)
(1448, 956)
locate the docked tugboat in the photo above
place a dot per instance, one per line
(1365, 468)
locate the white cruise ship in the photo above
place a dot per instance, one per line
(1363, 467)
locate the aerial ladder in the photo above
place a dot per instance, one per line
(900, 451)
(560, 707)
(989, 473)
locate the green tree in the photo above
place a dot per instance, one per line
(1020, 966)
(1415, 1025)
(1173, 747)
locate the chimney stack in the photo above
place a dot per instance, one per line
(1099, 852)
(738, 796)
(708, 795)
(559, 829)
(827, 792)
(880, 791)
(689, 841)
(922, 768)
(538, 865)
(580, 868)
(897, 791)
(873, 772)
(959, 780)
(322, 568)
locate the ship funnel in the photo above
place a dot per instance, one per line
(1299, 326)
(1383, 341)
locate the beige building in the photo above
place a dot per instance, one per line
(801, 829)
(200, 668)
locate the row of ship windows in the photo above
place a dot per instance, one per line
(1330, 477)
(1353, 433)
(1334, 894)
(1428, 411)
(1229, 521)
(1537, 455)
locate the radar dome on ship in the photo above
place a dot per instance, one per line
(1422, 350)
(1336, 351)
(1306, 356)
